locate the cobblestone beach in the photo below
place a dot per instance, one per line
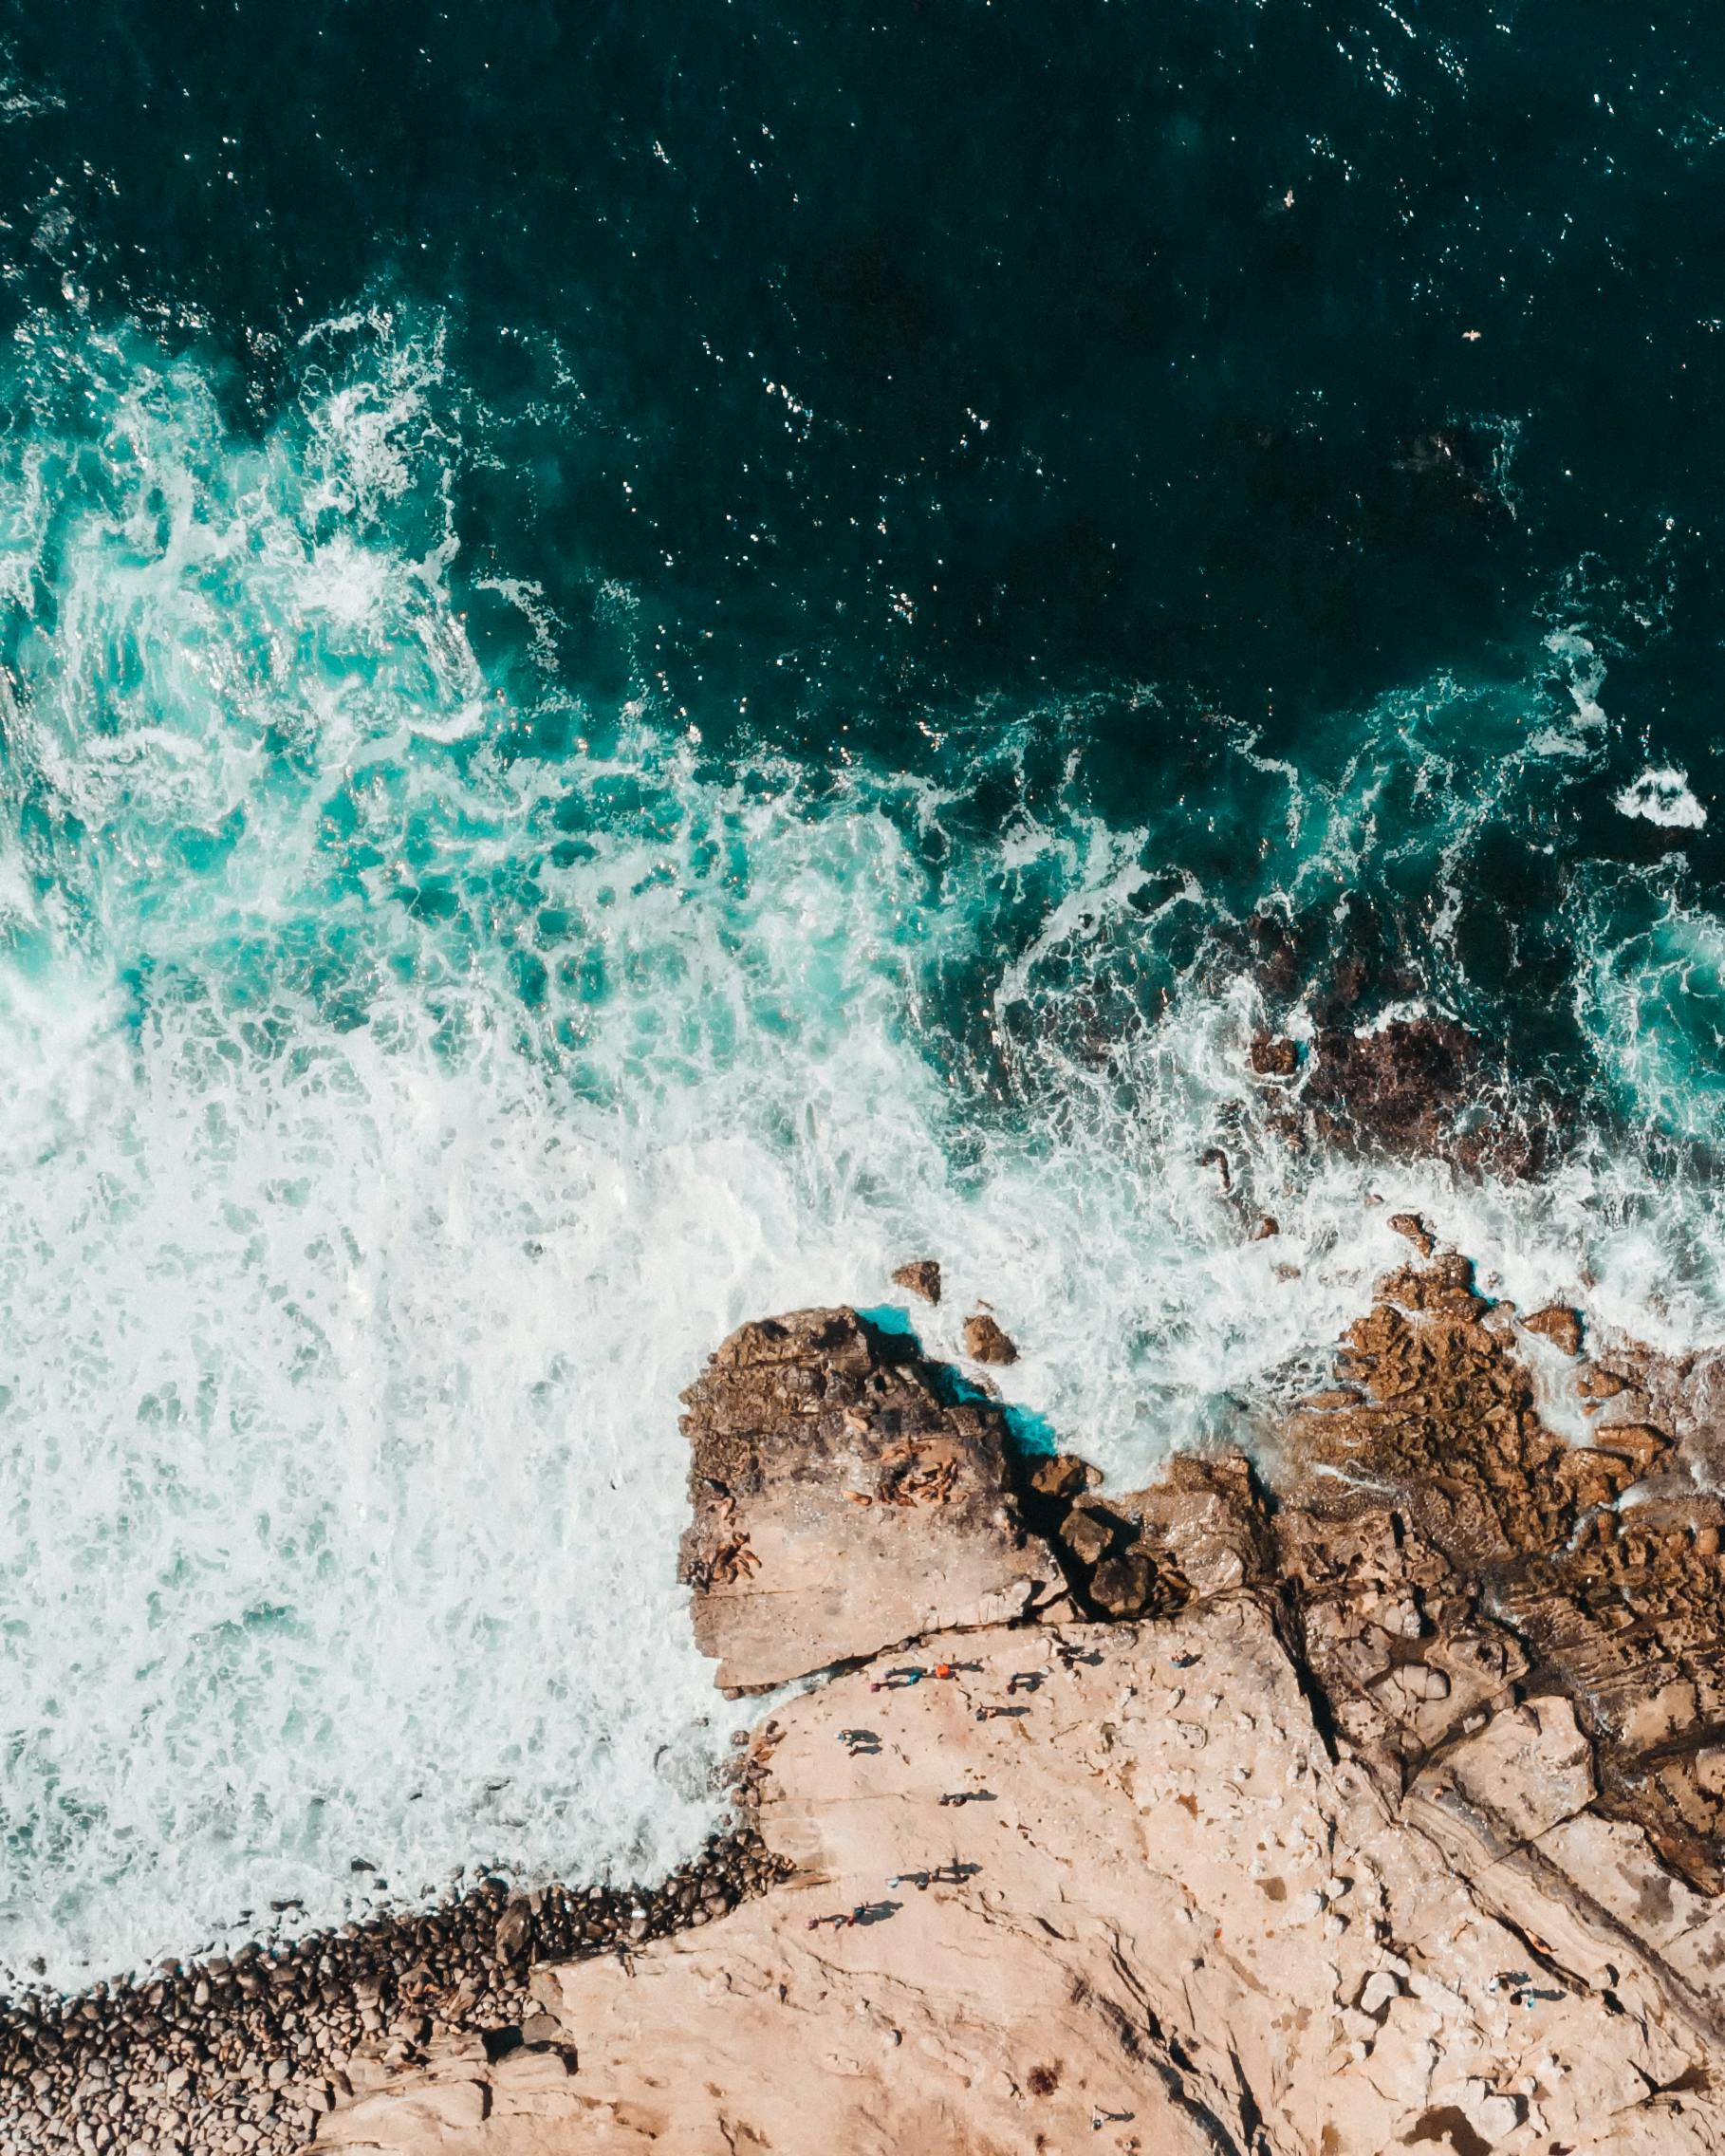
(243, 2054)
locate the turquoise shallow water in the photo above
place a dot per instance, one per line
(649, 664)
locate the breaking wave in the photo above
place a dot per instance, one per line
(416, 1066)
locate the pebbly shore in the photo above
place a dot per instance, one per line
(241, 2055)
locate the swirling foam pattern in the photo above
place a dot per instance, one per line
(411, 1074)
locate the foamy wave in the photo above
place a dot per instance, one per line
(1661, 797)
(393, 1119)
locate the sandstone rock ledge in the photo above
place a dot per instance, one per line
(1329, 1855)
(842, 1504)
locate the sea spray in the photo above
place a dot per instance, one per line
(417, 1065)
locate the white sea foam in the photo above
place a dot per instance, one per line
(391, 1124)
(1662, 797)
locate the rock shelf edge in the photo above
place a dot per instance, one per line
(1364, 1795)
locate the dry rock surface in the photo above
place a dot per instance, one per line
(1372, 1810)
(844, 1499)
(1369, 1799)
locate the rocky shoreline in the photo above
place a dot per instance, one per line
(246, 2053)
(1363, 1796)
(1366, 1794)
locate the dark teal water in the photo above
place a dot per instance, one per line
(734, 293)
(657, 657)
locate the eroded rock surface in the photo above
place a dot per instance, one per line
(1447, 1548)
(1201, 1529)
(844, 1502)
(1382, 1817)
(1161, 1904)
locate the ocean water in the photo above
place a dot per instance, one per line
(652, 660)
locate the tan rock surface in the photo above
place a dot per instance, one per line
(842, 1504)
(1167, 1908)
(1392, 1822)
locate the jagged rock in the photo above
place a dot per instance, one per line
(1561, 1325)
(1436, 1524)
(1202, 1526)
(1089, 1532)
(1638, 1444)
(984, 1342)
(1122, 1587)
(1063, 1475)
(842, 1504)
(1273, 1058)
(1415, 1229)
(922, 1276)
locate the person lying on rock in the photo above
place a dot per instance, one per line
(900, 1679)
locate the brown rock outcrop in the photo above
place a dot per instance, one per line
(1270, 1057)
(1199, 1529)
(984, 1341)
(1387, 1817)
(922, 1276)
(1175, 1917)
(1415, 1229)
(842, 1504)
(1061, 1476)
(1563, 1327)
(1447, 1551)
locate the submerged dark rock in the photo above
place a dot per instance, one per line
(1402, 1085)
(1271, 1057)
(1428, 1086)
